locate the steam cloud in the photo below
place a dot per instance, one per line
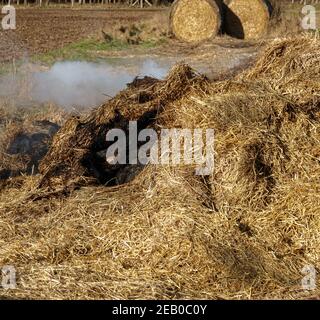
(78, 84)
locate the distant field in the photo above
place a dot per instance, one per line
(41, 30)
(49, 30)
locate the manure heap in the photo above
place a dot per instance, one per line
(246, 231)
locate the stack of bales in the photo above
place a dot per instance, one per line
(194, 21)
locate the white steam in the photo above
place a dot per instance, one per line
(77, 84)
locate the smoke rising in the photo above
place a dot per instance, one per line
(76, 84)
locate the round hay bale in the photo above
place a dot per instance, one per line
(246, 19)
(195, 20)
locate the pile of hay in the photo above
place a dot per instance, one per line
(247, 19)
(195, 20)
(244, 232)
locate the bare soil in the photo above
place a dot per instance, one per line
(41, 30)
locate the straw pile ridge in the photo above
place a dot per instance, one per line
(244, 232)
(246, 19)
(195, 20)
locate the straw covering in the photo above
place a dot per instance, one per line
(244, 232)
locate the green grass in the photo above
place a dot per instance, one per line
(4, 68)
(89, 50)
(9, 67)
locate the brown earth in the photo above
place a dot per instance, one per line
(41, 30)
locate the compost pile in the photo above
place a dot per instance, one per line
(246, 231)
